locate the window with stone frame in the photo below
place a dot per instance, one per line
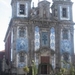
(65, 34)
(21, 57)
(22, 9)
(44, 39)
(66, 56)
(21, 32)
(64, 12)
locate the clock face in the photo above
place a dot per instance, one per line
(22, 44)
(65, 46)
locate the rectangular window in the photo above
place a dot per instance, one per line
(65, 34)
(21, 58)
(21, 33)
(22, 9)
(64, 12)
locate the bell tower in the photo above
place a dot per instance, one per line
(19, 33)
(21, 8)
(62, 12)
(62, 9)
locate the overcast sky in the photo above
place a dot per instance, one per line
(5, 16)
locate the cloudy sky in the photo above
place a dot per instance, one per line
(5, 16)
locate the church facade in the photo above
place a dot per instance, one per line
(44, 34)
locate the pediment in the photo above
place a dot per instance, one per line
(45, 51)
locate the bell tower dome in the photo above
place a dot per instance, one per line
(21, 8)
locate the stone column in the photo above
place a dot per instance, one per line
(57, 43)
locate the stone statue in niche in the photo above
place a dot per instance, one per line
(55, 12)
(44, 11)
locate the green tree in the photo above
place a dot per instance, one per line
(34, 69)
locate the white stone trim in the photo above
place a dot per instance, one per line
(68, 12)
(62, 61)
(26, 9)
(11, 54)
(17, 31)
(53, 61)
(26, 32)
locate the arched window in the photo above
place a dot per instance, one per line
(37, 38)
(52, 38)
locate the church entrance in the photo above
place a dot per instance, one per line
(43, 69)
(44, 66)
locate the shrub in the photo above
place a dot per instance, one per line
(26, 69)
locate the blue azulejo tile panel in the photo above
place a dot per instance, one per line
(37, 38)
(21, 65)
(22, 44)
(65, 46)
(52, 38)
(36, 29)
